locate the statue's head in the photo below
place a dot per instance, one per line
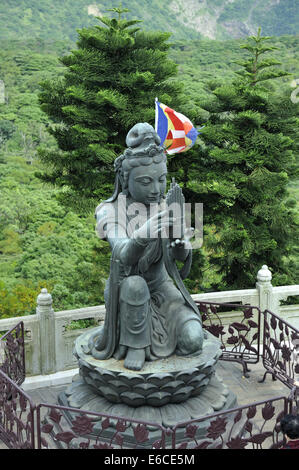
(142, 167)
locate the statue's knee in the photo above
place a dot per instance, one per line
(134, 313)
(134, 291)
(191, 338)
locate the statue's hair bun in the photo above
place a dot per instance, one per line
(142, 133)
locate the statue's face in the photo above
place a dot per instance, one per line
(147, 184)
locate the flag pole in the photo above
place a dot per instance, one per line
(156, 114)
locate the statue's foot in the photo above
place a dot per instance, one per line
(120, 352)
(98, 339)
(148, 354)
(94, 337)
(135, 359)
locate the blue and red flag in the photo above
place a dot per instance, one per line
(175, 130)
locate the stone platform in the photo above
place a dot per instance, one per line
(247, 389)
(164, 392)
(215, 397)
(172, 380)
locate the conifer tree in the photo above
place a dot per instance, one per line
(242, 173)
(110, 83)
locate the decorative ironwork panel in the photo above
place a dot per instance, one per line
(16, 415)
(255, 426)
(240, 340)
(280, 349)
(69, 428)
(12, 354)
(293, 401)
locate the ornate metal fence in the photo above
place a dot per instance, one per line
(280, 349)
(255, 426)
(293, 401)
(17, 415)
(69, 428)
(12, 354)
(240, 341)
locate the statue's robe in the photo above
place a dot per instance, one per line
(171, 306)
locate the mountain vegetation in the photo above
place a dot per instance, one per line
(249, 155)
(46, 240)
(186, 19)
(110, 83)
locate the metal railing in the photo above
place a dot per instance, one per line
(280, 349)
(17, 415)
(240, 340)
(255, 425)
(12, 353)
(69, 428)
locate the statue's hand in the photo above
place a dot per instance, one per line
(153, 228)
(185, 241)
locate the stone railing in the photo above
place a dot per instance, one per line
(49, 341)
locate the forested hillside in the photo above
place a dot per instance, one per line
(43, 242)
(188, 19)
(24, 64)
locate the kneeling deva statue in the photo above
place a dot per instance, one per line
(150, 314)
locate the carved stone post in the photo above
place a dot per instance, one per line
(45, 313)
(265, 288)
(267, 300)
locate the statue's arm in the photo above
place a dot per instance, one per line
(180, 253)
(129, 250)
(111, 227)
(181, 248)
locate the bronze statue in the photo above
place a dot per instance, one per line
(149, 312)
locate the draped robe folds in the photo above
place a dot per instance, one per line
(171, 306)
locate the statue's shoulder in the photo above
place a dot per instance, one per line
(106, 209)
(109, 213)
(103, 210)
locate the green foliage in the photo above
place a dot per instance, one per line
(43, 18)
(45, 244)
(255, 70)
(247, 158)
(22, 123)
(81, 324)
(18, 300)
(40, 18)
(6, 130)
(110, 83)
(202, 67)
(282, 20)
(237, 10)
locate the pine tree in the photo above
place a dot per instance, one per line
(110, 83)
(242, 173)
